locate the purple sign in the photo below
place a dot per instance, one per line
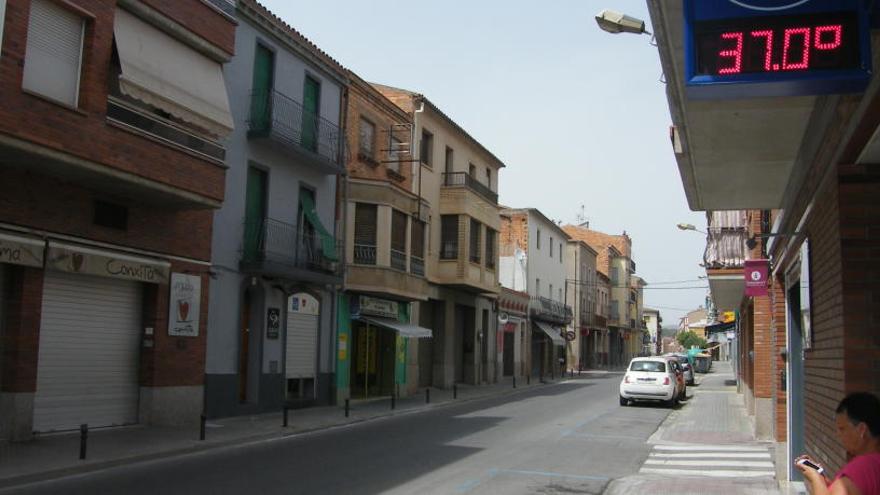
(755, 272)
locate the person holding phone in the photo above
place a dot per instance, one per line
(858, 427)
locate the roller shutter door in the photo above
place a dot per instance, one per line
(302, 342)
(89, 352)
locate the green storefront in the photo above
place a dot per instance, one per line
(373, 346)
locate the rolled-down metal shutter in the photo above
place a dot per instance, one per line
(89, 352)
(302, 342)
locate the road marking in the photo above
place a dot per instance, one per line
(721, 455)
(710, 463)
(710, 448)
(467, 486)
(708, 474)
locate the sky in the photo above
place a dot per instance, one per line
(579, 116)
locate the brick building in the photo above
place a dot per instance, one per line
(106, 208)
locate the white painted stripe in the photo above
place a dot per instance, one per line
(710, 448)
(711, 463)
(716, 455)
(708, 474)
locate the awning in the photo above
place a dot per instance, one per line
(404, 329)
(167, 74)
(328, 242)
(551, 332)
(74, 258)
(721, 327)
(21, 250)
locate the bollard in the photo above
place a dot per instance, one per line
(454, 391)
(285, 416)
(347, 408)
(514, 381)
(83, 439)
(427, 396)
(571, 373)
(552, 373)
(202, 421)
(528, 379)
(392, 401)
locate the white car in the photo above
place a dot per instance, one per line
(650, 378)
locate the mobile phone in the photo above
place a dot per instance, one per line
(806, 462)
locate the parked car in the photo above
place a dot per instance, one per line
(686, 366)
(650, 378)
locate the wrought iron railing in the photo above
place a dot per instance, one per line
(398, 260)
(417, 266)
(364, 254)
(268, 240)
(286, 120)
(548, 309)
(464, 179)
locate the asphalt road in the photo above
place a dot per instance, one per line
(569, 437)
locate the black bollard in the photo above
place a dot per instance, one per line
(285, 416)
(83, 439)
(427, 396)
(202, 421)
(392, 402)
(552, 373)
(514, 381)
(347, 408)
(528, 379)
(454, 391)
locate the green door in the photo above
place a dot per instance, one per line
(254, 213)
(261, 98)
(311, 102)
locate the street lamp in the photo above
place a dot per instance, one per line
(689, 226)
(616, 23)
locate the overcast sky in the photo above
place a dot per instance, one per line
(579, 116)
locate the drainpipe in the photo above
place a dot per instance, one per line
(412, 147)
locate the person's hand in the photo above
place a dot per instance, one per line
(809, 473)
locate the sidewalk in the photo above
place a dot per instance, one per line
(52, 456)
(705, 446)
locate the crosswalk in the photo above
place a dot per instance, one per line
(716, 461)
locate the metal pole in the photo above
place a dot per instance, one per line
(392, 401)
(202, 421)
(528, 378)
(347, 408)
(83, 440)
(427, 396)
(285, 416)
(454, 391)
(514, 381)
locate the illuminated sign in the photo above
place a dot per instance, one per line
(737, 49)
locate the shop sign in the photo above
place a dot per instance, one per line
(21, 250)
(77, 259)
(343, 346)
(756, 277)
(184, 304)
(377, 307)
(273, 323)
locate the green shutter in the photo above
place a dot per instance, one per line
(254, 214)
(261, 98)
(328, 242)
(311, 100)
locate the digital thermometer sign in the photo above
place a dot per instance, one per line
(735, 51)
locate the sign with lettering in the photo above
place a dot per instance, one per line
(21, 250)
(273, 323)
(184, 305)
(377, 307)
(88, 261)
(756, 277)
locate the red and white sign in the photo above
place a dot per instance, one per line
(755, 272)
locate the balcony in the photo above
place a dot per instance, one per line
(600, 321)
(549, 310)
(464, 179)
(417, 266)
(282, 250)
(286, 122)
(398, 260)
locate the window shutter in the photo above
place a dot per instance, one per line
(367, 137)
(418, 238)
(54, 52)
(448, 237)
(365, 224)
(475, 241)
(398, 231)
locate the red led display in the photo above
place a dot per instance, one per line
(802, 43)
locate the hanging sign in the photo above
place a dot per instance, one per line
(754, 48)
(273, 323)
(755, 273)
(183, 305)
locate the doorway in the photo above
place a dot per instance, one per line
(795, 381)
(244, 347)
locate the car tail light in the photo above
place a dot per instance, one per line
(666, 381)
(626, 379)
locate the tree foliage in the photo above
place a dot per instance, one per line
(689, 338)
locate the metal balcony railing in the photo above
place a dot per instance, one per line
(548, 309)
(364, 254)
(398, 260)
(417, 266)
(279, 117)
(268, 240)
(464, 179)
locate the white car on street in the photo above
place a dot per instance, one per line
(650, 378)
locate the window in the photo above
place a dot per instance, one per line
(550, 292)
(615, 276)
(560, 253)
(417, 244)
(426, 149)
(472, 170)
(448, 237)
(111, 215)
(538, 286)
(367, 136)
(490, 247)
(476, 229)
(53, 56)
(394, 153)
(450, 158)
(538, 239)
(551, 246)
(560, 295)
(488, 177)
(398, 240)
(365, 233)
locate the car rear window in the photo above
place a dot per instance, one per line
(654, 366)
